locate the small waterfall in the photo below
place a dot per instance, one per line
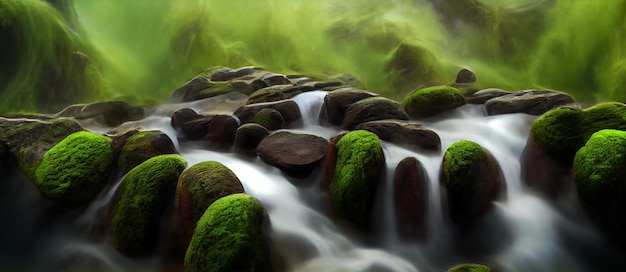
(523, 233)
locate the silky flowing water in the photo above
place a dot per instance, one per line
(524, 232)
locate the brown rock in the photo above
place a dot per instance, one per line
(410, 193)
(485, 95)
(295, 154)
(248, 136)
(372, 109)
(336, 103)
(287, 108)
(402, 133)
(535, 102)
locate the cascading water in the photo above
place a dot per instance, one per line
(524, 233)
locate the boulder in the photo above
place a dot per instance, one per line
(410, 194)
(199, 186)
(29, 140)
(182, 116)
(74, 171)
(271, 94)
(248, 136)
(465, 76)
(337, 101)
(600, 178)
(229, 237)
(287, 108)
(295, 154)
(218, 129)
(535, 102)
(472, 181)
(372, 109)
(430, 101)
(555, 138)
(482, 96)
(144, 194)
(141, 146)
(269, 118)
(401, 133)
(359, 165)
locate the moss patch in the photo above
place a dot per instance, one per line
(470, 268)
(432, 100)
(229, 237)
(73, 171)
(142, 146)
(144, 193)
(360, 161)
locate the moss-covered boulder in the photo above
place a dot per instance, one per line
(199, 186)
(29, 140)
(229, 237)
(142, 146)
(144, 193)
(600, 176)
(470, 268)
(359, 164)
(269, 118)
(472, 181)
(431, 101)
(372, 109)
(73, 171)
(555, 138)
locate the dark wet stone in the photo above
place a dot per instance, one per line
(372, 109)
(248, 136)
(287, 108)
(295, 154)
(482, 96)
(535, 102)
(404, 134)
(336, 103)
(410, 194)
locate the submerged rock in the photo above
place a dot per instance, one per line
(360, 162)
(296, 154)
(74, 171)
(533, 102)
(431, 101)
(144, 194)
(199, 186)
(229, 237)
(372, 109)
(472, 181)
(600, 178)
(410, 194)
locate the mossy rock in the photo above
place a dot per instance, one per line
(472, 180)
(29, 140)
(229, 237)
(73, 171)
(600, 178)
(431, 101)
(200, 185)
(269, 118)
(360, 162)
(412, 64)
(470, 268)
(143, 195)
(561, 132)
(142, 146)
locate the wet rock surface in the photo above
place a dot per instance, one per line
(533, 102)
(296, 154)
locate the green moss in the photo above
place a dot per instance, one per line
(459, 159)
(600, 177)
(207, 182)
(432, 100)
(142, 146)
(229, 237)
(359, 164)
(470, 268)
(269, 118)
(412, 64)
(144, 192)
(562, 131)
(73, 171)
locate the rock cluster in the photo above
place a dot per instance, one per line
(224, 227)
